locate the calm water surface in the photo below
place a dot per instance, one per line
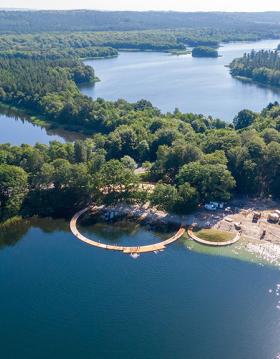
(125, 233)
(199, 85)
(63, 299)
(15, 128)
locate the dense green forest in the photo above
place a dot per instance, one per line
(75, 41)
(161, 40)
(89, 20)
(42, 85)
(78, 33)
(192, 159)
(261, 66)
(204, 51)
(58, 53)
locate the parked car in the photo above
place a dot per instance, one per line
(213, 206)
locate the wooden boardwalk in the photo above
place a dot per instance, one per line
(213, 244)
(139, 249)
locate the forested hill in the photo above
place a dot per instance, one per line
(261, 66)
(89, 20)
(79, 33)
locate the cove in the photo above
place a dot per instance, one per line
(17, 128)
(198, 85)
(62, 298)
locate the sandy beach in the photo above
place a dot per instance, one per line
(236, 217)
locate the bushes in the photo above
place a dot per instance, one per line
(13, 187)
(204, 51)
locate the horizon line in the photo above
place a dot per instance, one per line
(129, 10)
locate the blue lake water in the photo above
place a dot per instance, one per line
(61, 298)
(199, 85)
(17, 129)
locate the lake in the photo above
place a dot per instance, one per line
(16, 128)
(61, 298)
(199, 85)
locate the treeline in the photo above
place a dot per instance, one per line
(90, 20)
(261, 66)
(58, 53)
(54, 46)
(190, 158)
(132, 40)
(53, 180)
(48, 87)
(157, 40)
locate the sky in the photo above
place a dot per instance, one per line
(175, 5)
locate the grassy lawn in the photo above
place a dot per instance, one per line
(214, 235)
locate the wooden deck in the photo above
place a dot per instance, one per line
(139, 249)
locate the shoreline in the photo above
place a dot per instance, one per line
(98, 58)
(237, 219)
(254, 82)
(40, 120)
(246, 249)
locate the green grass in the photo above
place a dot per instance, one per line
(214, 235)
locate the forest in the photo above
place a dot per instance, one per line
(42, 85)
(260, 66)
(159, 40)
(87, 20)
(83, 53)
